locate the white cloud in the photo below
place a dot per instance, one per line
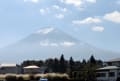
(67, 44)
(77, 3)
(33, 1)
(64, 9)
(56, 7)
(53, 9)
(59, 16)
(46, 43)
(98, 29)
(54, 44)
(88, 20)
(44, 11)
(113, 16)
(45, 31)
(91, 1)
(59, 8)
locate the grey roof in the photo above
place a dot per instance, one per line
(8, 65)
(108, 68)
(114, 60)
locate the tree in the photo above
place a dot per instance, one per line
(32, 62)
(62, 60)
(84, 62)
(49, 63)
(92, 60)
(71, 61)
(92, 66)
(62, 64)
(56, 67)
(71, 64)
(26, 63)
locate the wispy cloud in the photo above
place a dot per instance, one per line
(45, 31)
(88, 20)
(54, 10)
(118, 2)
(91, 1)
(46, 43)
(57, 7)
(44, 11)
(76, 3)
(54, 44)
(33, 1)
(68, 44)
(98, 28)
(113, 16)
(59, 16)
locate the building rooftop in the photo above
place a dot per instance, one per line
(8, 65)
(32, 66)
(109, 68)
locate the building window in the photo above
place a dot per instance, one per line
(109, 63)
(119, 73)
(111, 74)
(101, 74)
(2, 68)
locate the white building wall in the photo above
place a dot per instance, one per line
(113, 78)
(107, 77)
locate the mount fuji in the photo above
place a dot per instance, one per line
(49, 43)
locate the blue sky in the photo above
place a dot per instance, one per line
(96, 22)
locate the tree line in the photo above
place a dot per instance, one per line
(81, 70)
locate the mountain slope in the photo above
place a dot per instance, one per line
(50, 42)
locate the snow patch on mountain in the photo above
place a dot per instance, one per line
(45, 30)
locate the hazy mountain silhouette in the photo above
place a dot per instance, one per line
(48, 43)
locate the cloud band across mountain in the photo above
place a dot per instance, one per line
(46, 43)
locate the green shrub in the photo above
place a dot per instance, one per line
(10, 78)
(20, 78)
(37, 78)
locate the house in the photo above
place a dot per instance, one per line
(110, 72)
(113, 62)
(9, 68)
(32, 69)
